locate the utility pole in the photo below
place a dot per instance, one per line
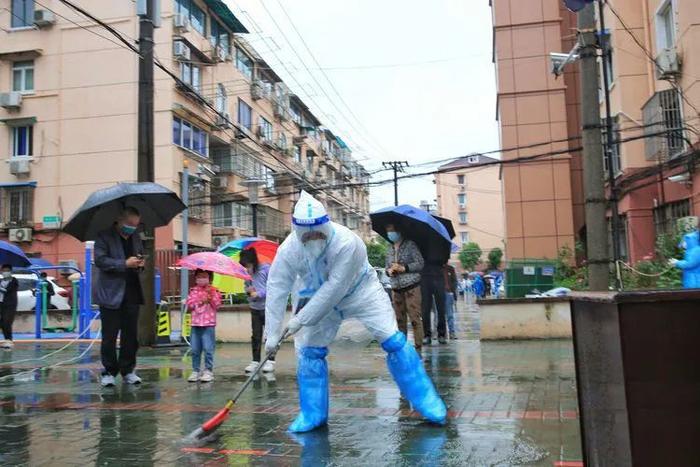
(396, 166)
(593, 171)
(604, 39)
(185, 196)
(148, 13)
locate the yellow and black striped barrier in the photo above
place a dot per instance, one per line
(163, 328)
(186, 326)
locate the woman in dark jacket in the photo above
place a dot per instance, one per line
(8, 304)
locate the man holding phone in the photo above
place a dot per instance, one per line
(119, 259)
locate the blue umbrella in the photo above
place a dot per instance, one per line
(12, 255)
(430, 234)
(40, 263)
(577, 5)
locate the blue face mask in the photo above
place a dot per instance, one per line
(393, 236)
(127, 230)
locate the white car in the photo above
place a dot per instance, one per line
(26, 300)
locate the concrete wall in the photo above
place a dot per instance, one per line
(525, 319)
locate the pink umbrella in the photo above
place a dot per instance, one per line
(214, 262)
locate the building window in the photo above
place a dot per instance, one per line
(196, 15)
(464, 237)
(297, 154)
(615, 145)
(233, 215)
(462, 217)
(188, 136)
(666, 217)
(19, 202)
(197, 206)
(462, 200)
(309, 162)
(23, 76)
(244, 63)
(190, 74)
(663, 125)
(22, 141)
(265, 129)
(22, 13)
(666, 26)
(245, 115)
(218, 37)
(221, 99)
(622, 236)
(460, 179)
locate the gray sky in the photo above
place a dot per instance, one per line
(416, 75)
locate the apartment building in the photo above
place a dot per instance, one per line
(68, 114)
(654, 89)
(469, 194)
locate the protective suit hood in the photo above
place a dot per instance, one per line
(691, 240)
(312, 225)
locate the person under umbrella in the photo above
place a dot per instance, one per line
(8, 304)
(256, 290)
(404, 263)
(324, 266)
(119, 259)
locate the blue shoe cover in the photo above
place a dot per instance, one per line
(312, 377)
(407, 369)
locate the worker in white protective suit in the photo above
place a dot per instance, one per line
(324, 266)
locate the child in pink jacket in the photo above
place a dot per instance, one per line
(203, 302)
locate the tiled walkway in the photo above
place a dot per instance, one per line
(511, 403)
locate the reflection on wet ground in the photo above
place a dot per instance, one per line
(511, 403)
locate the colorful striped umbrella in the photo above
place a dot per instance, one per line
(265, 249)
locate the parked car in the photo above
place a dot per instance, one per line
(26, 298)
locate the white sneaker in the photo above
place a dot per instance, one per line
(194, 377)
(252, 367)
(107, 381)
(207, 376)
(268, 367)
(131, 378)
(7, 344)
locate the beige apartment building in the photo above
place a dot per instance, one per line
(655, 175)
(68, 125)
(469, 194)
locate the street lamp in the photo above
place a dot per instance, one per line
(253, 184)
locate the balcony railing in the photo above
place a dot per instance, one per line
(663, 126)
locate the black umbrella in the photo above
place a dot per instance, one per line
(447, 224)
(157, 206)
(429, 233)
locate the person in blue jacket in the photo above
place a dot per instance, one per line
(690, 264)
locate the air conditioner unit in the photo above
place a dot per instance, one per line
(219, 240)
(256, 89)
(181, 22)
(19, 235)
(218, 54)
(181, 51)
(19, 166)
(281, 111)
(11, 100)
(220, 182)
(299, 139)
(223, 121)
(44, 18)
(668, 64)
(239, 133)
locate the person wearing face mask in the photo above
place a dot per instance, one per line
(404, 262)
(8, 304)
(119, 258)
(325, 268)
(256, 291)
(204, 301)
(690, 264)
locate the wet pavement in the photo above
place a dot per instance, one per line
(510, 403)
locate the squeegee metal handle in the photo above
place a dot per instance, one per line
(255, 373)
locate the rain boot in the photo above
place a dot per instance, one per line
(407, 369)
(312, 377)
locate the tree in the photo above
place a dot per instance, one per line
(376, 252)
(470, 255)
(495, 258)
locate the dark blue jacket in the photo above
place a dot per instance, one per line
(111, 266)
(690, 264)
